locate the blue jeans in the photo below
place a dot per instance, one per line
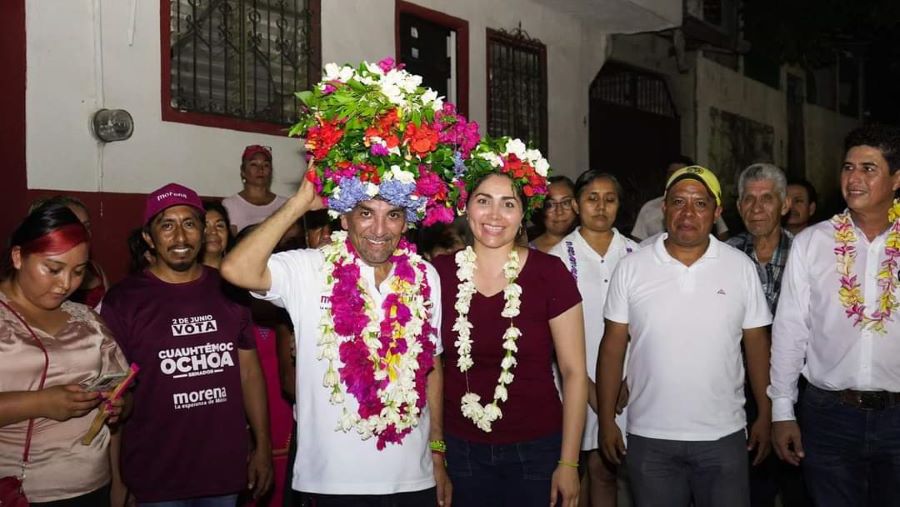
(852, 454)
(509, 475)
(671, 473)
(206, 501)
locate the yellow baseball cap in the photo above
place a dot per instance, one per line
(701, 174)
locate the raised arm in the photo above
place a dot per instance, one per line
(247, 265)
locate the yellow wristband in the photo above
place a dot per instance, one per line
(568, 463)
(438, 446)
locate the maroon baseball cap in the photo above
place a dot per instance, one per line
(170, 195)
(255, 149)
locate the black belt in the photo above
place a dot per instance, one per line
(867, 400)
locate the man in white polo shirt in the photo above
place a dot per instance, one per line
(688, 302)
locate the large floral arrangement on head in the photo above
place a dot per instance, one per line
(373, 130)
(526, 167)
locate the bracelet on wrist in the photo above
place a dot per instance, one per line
(568, 463)
(438, 446)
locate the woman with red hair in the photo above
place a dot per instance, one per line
(51, 352)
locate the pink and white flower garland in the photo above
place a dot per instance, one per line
(484, 415)
(387, 354)
(850, 293)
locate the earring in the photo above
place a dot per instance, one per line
(243, 179)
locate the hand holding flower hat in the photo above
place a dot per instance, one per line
(373, 130)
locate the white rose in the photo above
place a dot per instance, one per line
(331, 71)
(401, 175)
(374, 68)
(346, 74)
(371, 189)
(542, 167)
(517, 147)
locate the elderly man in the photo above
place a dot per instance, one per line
(762, 202)
(343, 459)
(688, 302)
(836, 325)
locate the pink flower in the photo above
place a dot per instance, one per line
(388, 64)
(379, 150)
(438, 214)
(429, 184)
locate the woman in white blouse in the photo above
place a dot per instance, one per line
(591, 252)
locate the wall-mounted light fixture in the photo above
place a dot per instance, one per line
(112, 125)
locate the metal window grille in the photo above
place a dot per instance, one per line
(634, 89)
(517, 87)
(240, 58)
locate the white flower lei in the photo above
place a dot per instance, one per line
(399, 398)
(484, 415)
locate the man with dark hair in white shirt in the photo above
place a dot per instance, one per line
(683, 307)
(837, 325)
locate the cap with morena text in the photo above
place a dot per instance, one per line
(701, 174)
(170, 195)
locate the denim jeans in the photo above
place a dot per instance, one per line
(671, 473)
(207, 501)
(508, 475)
(852, 454)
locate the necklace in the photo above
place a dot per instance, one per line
(850, 293)
(386, 357)
(484, 415)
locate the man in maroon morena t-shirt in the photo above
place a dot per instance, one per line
(200, 380)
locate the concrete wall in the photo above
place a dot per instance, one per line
(81, 57)
(825, 132)
(651, 52)
(726, 91)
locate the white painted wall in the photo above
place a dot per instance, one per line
(80, 59)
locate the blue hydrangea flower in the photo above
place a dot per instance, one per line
(459, 167)
(400, 194)
(352, 191)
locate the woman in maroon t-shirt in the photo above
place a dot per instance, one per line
(510, 440)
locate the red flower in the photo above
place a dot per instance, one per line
(422, 140)
(323, 137)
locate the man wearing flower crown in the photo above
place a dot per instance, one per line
(837, 324)
(365, 311)
(365, 308)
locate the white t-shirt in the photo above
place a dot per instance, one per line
(330, 461)
(685, 372)
(593, 273)
(651, 221)
(242, 213)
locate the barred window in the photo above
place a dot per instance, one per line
(635, 89)
(517, 87)
(239, 59)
